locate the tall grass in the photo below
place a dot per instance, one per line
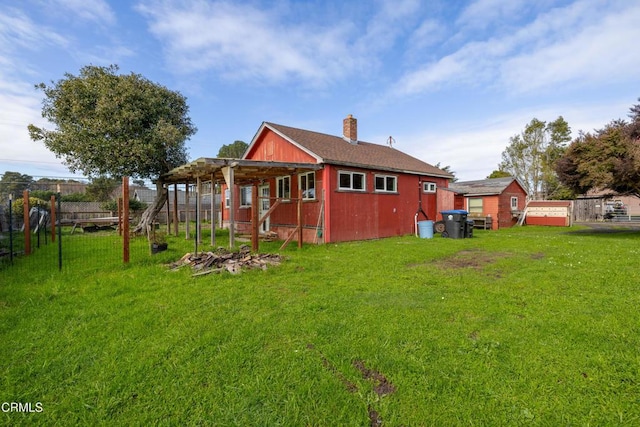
(525, 326)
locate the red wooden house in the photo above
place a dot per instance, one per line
(497, 201)
(359, 190)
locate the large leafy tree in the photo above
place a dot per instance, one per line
(532, 154)
(608, 158)
(233, 151)
(110, 124)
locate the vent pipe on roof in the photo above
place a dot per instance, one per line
(350, 129)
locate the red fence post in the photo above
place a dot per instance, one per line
(125, 219)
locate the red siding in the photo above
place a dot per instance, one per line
(505, 217)
(552, 221)
(348, 215)
(272, 147)
(499, 206)
(355, 215)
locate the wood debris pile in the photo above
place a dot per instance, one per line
(223, 260)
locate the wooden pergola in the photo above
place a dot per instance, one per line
(233, 172)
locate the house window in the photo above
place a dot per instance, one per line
(475, 205)
(386, 183)
(245, 196)
(308, 185)
(351, 181)
(283, 187)
(429, 187)
(514, 203)
(227, 198)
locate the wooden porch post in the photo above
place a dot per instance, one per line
(213, 212)
(166, 188)
(187, 213)
(299, 213)
(175, 210)
(255, 230)
(227, 171)
(199, 210)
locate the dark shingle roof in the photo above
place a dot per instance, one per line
(336, 150)
(482, 187)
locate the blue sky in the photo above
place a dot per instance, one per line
(450, 81)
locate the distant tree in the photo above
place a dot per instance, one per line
(608, 158)
(448, 170)
(531, 155)
(75, 197)
(498, 174)
(42, 194)
(559, 135)
(14, 183)
(101, 189)
(116, 125)
(233, 151)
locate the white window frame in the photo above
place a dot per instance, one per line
(245, 196)
(282, 192)
(227, 197)
(514, 203)
(308, 192)
(351, 175)
(386, 180)
(429, 187)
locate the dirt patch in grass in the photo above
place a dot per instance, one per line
(381, 385)
(350, 386)
(470, 258)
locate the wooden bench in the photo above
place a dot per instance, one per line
(481, 222)
(95, 224)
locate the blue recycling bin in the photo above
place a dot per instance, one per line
(425, 229)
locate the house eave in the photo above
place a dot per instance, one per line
(386, 169)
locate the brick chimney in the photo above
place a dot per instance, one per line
(350, 129)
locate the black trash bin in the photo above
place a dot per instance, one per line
(468, 231)
(455, 222)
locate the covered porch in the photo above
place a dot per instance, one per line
(212, 172)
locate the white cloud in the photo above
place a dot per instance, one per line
(242, 42)
(18, 31)
(97, 11)
(473, 149)
(583, 43)
(19, 101)
(21, 106)
(446, 70)
(486, 13)
(388, 23)
(427, 34)
(603, 50)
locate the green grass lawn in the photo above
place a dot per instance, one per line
(523, 326)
